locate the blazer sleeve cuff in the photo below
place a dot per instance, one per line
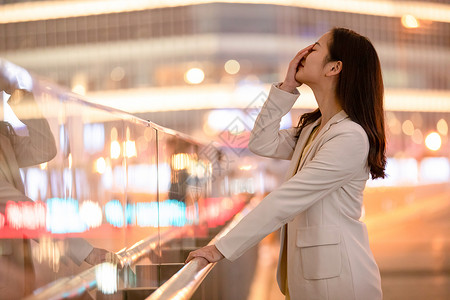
(223, 249)
(279, 100)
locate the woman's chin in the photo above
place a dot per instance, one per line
(298, 76)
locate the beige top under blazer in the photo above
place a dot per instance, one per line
(324, 247)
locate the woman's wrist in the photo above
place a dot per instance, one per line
(287, 88)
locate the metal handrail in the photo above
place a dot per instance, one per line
(76, 285)
(185, 282)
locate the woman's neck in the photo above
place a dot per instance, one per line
(328, 105)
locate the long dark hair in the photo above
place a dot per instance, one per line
(359, 91)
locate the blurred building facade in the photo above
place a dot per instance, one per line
(203, 68)
(144, 59)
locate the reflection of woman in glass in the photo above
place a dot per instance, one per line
(325, 251)
(17, 151)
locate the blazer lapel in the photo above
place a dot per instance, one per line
(302, 139)
(340, 116)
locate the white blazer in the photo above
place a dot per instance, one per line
(324, 247)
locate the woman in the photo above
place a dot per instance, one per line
(325, 250)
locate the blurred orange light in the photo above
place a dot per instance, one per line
(442, 127)
(417, 136)
(232, 66)
(433, 141)
(115, 149)
(114, 134)
(409, 21)
(79, 89)
(245, 168)
(181, 161)
(100, 165)
(194, 76)
(130, 148)
(408, 127)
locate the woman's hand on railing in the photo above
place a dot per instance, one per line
(210, 253)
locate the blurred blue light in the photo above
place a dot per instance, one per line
(114, 213)
(94, 137)
(63, 216)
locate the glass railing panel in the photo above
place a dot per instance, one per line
(182, 185)
(79, 177)
(141, 211)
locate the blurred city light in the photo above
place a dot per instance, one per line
(194, 76)
(115, 149)
(79, 89)
(117, 74)
(114, 213)
(2, 220)
(63, 216)
(91, 213)
(142, 178)
(43, 166)
(19, 12)
(232, 67)
(94, 137)
(417, 136)
(130, 149)
(180, 161)
(106, 277)
(409, 21)
(400, 172)
(433, 141)
(25, 215)
(50, 251)
(442, 127)
(114, 134)
(435, 170)
(408, 127)
(100, 165)
(79, 83)
(245, 168)
(37, 183)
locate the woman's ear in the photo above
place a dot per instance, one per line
(334, 68)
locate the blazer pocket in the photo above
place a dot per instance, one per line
(320, 251)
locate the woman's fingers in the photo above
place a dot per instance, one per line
(290, 82)
(302, 53)
(210, 253)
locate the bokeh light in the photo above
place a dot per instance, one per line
(114, 213)
(433, 141)
(115, 149)
(106, 277)
(232, 66)
(194, 76)
(100, 165)
(91, 213)
(117, 74)
(417, 136)
(408, 127)
(409, 21)
(442, 127)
